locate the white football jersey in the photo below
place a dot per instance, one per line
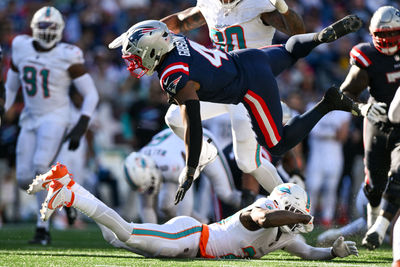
(240, 27)
(44, 76)
(230, 239)
(168, 152)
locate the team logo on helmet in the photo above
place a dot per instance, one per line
(135, 36)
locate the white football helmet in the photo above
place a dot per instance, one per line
(141, 173)
(385, 29)
(143, 45)
(292, 197)
(47, 26)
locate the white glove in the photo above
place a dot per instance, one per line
(343, 248)
(371, 111)
(280, 5)
(307, 228)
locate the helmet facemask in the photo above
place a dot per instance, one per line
(47, 26)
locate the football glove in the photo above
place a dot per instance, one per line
(373, 111)
(186, 178)
(77, 132)
(342, 249)
(280, 5)
(308, 227)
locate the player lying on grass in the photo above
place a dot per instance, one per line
(267, 225)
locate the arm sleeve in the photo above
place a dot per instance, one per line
(85, 85)
(301, 249)
(12, 85)
(394, 108)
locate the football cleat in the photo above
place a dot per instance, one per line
(58, 172)
(336, 100)
(58, 197)
(372, 240)
(346, 25)
(42, 237)
(328, 237)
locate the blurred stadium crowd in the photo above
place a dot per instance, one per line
(131, 111)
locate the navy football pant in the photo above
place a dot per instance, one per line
(262, 99)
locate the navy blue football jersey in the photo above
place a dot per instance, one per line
(383, 71)
(215, 71)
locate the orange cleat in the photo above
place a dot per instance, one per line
(59, 196)
(58, 172)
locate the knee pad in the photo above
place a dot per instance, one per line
(374, 194)
(392, 191)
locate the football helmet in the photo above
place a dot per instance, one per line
(292, 197)
(143, 45)
(142, 173)
(385, 29)
(47, 26)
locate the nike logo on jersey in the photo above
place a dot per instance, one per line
(172, 86)
(166, 81)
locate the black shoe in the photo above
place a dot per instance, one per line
(334, 99)
(348, 24)
(71, 215)
(371, 241)
(42, 237)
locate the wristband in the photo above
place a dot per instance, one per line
(333, 254)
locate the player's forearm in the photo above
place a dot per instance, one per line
(86, 87)
(193, 132)
(305, 251)
(185, 21)
(277, 218)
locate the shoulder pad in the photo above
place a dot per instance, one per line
(174, 77)
(360, 55)
(72, 53)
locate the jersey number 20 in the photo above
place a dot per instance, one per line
(30, 77)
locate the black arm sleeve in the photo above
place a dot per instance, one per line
(195, 131)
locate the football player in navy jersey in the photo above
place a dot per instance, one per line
(189, 72)
(376, 65)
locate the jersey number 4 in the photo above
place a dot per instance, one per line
(214, 56)
(30, 79)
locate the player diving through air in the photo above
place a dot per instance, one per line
(189, 72)
(267, 225)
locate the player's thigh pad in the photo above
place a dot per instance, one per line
(179, 237)
(49, 142)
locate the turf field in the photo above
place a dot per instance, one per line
(87, 248)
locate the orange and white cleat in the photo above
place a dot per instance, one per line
(58, 172)
(59, 196)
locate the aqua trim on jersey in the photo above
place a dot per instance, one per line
(178, 235)
(264, 119)
(258, 160)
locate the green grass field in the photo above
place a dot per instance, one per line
(87, 248)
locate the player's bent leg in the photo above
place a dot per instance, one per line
(179, 237)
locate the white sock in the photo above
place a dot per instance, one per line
(267, 176)
(380, 226)
(372, 214)
(40, 198)
(104, 215)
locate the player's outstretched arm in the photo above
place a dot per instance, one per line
(190, 110)
(340, 249)
(264, 218)
(284, 19)
(185, 20)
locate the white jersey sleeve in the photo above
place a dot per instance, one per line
(73, 55)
